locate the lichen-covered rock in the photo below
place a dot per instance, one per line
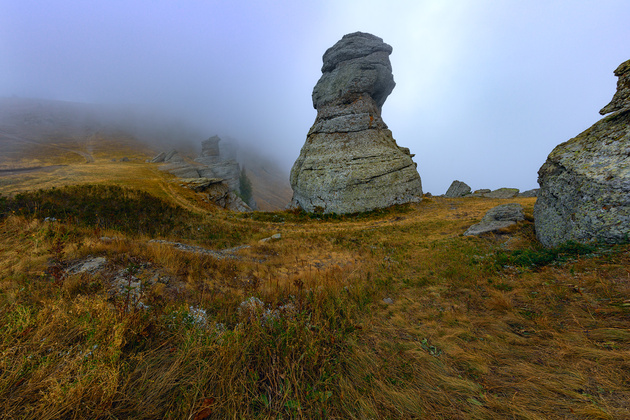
(457, 189)
(497, 218)
(585, 185)
(350, 161)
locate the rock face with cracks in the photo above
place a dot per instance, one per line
(350, 161)
(585, 182)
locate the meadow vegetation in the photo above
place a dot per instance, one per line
(390, 314)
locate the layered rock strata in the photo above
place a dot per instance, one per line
(350, 161)
(585, 183)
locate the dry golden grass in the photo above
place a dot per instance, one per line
(465, 337)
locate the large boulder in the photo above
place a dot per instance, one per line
(457, 189)
(497, 218)
(585, 182)
(350, 161)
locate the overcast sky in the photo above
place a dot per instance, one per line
(484, 89)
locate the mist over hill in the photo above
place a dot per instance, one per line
(37, 133)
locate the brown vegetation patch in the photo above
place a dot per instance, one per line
(387, 315)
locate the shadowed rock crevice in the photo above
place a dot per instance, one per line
(350, 162)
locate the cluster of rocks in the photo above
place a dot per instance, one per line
(215, 173)
(585, 182)
(461, 189)
(350, 162)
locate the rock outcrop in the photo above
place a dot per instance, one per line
(457, 189)
(497, 218)
(211, 168)
(585, 182)
(215, 190)
(217, 166)
(350, 161)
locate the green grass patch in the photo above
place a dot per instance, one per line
(539, 257)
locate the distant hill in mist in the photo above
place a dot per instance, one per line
(39, 132)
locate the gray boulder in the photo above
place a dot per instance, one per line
(159, 158)
(498, 193)
(502, 193)
(481, 192)
(497, 218)
(585, 182)
(457, 189)
(350, 161)
(529, 193)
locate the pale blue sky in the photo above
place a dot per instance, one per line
(485, 89)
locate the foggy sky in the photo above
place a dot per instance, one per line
(484, 89)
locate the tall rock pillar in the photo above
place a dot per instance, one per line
(350, 161)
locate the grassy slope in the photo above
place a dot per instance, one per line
(475, 330)
(466, 337)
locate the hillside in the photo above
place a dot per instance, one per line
(128, 297)
(47, 143)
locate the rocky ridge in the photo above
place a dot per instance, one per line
(585, 182)
(212, 173)
(350, 162)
